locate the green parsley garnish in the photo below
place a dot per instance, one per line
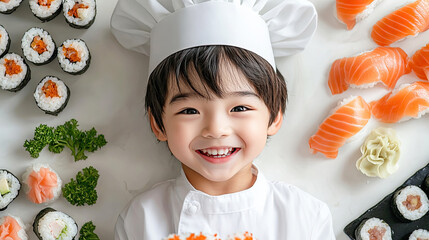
(82, 190)
(67, 135)
(87, 232)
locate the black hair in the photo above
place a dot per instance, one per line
(205, 61)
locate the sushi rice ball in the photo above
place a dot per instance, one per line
(4, 41)
(11, 226)
(373, 228)
(14, 72)
(45, 10)
(38, 46)
(419, 234)
(410, 203)
(74, 56)
(50, 224)
(9, 188)
(79, 13)
(41, 184)
(9, 6)
(52, 95)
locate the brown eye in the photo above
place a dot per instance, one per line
(189, 111)
(239, 109)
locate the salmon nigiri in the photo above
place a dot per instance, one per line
(348, 119)
(383, 64)
(352, 11)
(406, 21)
(420, 63)
(408, 101)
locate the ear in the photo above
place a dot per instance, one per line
(159, 134)
(276, 124)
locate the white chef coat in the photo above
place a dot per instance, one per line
(269, 210)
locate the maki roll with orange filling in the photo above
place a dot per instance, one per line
(14, 72)
(38, 46)
(373, 228)
(52, 95)
(9, 6)
(79, 13)
(9, 188)
(74, 56)
(410, 203)
(46, 10)
(4, 41)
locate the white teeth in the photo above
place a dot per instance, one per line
(217, 152)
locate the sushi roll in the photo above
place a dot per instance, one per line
(9, 188)
(46, 10)
(9, 6)
(51, 95)
(12, 227)
(74, 56)
(373, 228)
(14, 72)
(410, 203)
(51, 224)
(41, 184)
(38, 46)
(419, 234)
(79, 13)
(4, 41)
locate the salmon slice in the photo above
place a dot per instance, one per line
(9, 229)
(406, 21)
(348, 119)
(420, 63)
(41, 185)
(352, 11)
(383, 64)
(408, 101)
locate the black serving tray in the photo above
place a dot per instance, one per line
(383, 210)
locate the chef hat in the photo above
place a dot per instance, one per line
(159, 28)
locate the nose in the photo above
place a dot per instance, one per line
(216, 126)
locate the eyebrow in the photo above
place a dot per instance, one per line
(183, 96)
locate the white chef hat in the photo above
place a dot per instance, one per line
(159, 28)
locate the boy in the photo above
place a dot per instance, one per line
(214, 96)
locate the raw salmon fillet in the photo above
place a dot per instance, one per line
(383, 64)
(9, 229)
(351, 11)
(345, 122)
(408, 101)
(420, 63)
(406, 21)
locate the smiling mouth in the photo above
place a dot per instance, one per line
(218, 153)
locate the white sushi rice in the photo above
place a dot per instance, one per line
(50, 104)
(4, 39)
(364, 232)
(45, 229)
(85, 14)
(8, 6)
(31, 54)
(402, 197)
(21, 233)
(36, 167)
(83, 51)
(419, 234)
(44, 11)
(369, 9)
(11, 81)
(14, 187)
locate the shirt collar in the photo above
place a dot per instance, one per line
(228, 203)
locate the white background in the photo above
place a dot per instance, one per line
(110, 97)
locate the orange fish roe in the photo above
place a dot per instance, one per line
(9, 229)
(11, 67)
(247, 236)
(71, 54)
(46, 3)
(50, 89)
(38, 45)
(73, 12)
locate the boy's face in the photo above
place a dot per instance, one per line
(216, 138)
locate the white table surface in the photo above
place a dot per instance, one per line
(110, 97)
